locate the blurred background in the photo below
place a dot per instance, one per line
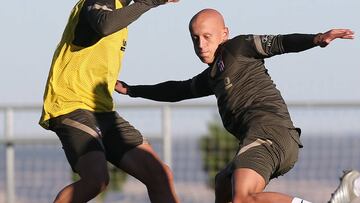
(320, 86)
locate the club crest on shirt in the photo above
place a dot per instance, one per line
(217, 67)
(220, 64)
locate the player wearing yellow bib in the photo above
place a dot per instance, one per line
(78, 104)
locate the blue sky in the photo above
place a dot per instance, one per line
(159, 46)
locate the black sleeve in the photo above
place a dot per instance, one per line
(298, 42)
(271, 45)
(173, 91)
(105, 19)
(169, 91)
(200, 85)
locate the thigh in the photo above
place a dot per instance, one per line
(93, 165)
(269, 150)
(238, 182)
(143, 163)
(119, 136)
(246, 181)
(78, 133)
(287, 142)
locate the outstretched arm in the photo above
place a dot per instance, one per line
(270, 45)
(170, 91)
(301, 42)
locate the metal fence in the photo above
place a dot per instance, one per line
(174, 130)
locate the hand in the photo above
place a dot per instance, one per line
(324, 39)
(121, 87)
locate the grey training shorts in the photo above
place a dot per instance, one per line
(269, 150)
(83, 131)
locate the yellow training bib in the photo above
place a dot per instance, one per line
(83, 77)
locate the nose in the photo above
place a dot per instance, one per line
(201, 43)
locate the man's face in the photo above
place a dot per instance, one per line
(207, 34)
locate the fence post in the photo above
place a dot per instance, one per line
(166, 133)
(10, 156)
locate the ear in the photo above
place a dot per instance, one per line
(225, 33)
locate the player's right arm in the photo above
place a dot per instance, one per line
(99, 18)
(105, 19)
(169, 91)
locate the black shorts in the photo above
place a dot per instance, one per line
(269, 150)
(83, 131)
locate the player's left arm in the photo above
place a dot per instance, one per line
(302, 42)
(270, 45)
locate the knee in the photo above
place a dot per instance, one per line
(98, 182)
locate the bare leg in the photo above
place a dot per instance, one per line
(143, 163)
(248, 187)
(94, 179)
